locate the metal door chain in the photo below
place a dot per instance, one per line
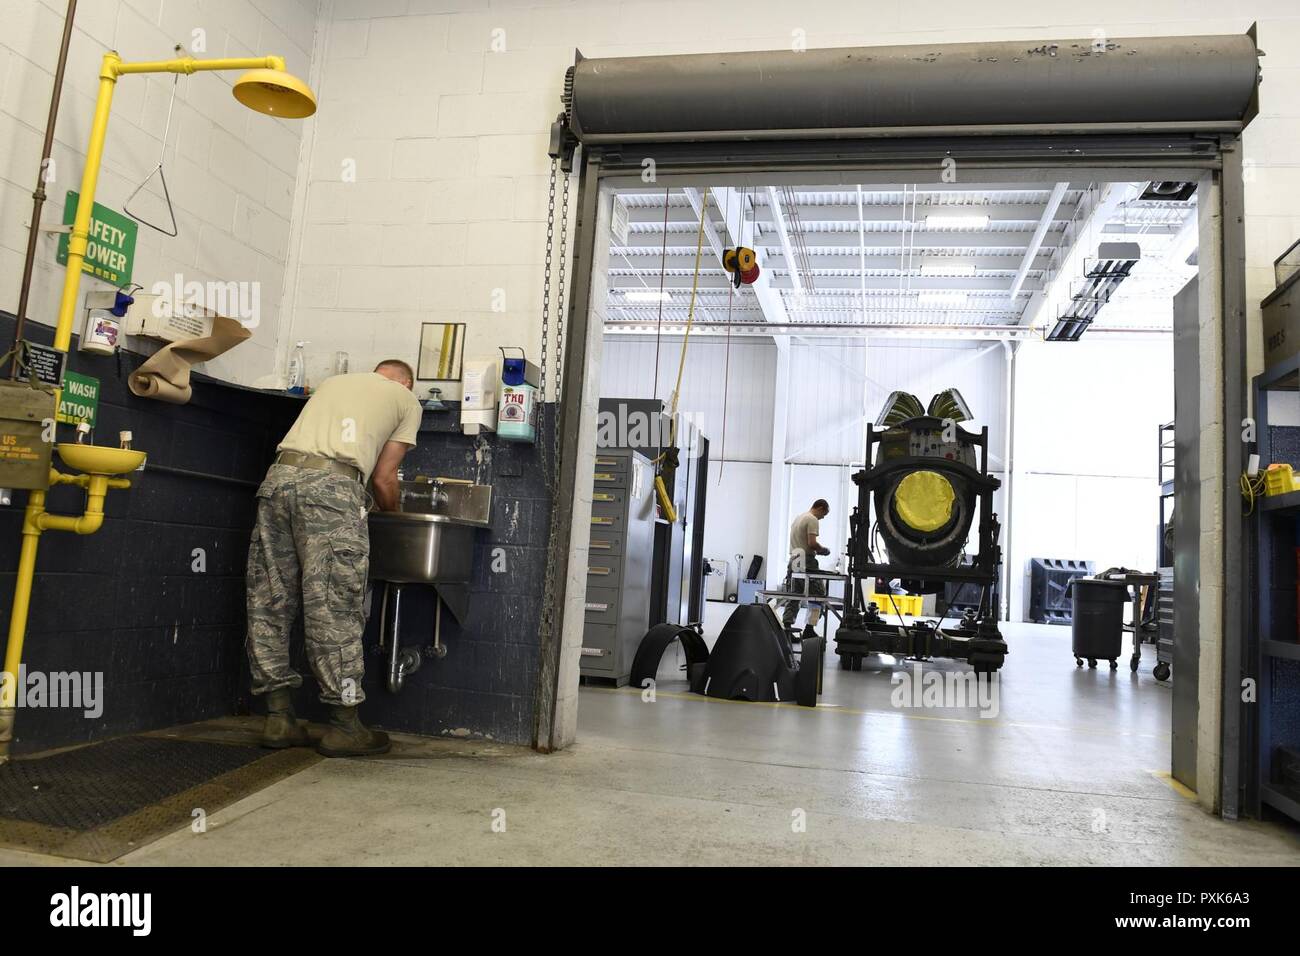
(549, 416)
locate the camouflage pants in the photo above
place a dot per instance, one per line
(816, 586)
(310, 550)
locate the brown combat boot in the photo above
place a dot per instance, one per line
(348, 737)
(282, 727)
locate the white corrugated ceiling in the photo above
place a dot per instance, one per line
(892, 257)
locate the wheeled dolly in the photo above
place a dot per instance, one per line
(1092, 662)
(975, 641)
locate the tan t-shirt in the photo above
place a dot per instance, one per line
(349, 417)
(803, 526)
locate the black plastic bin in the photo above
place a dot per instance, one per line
(1097, 629)
(1049, 588)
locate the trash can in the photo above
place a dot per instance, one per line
(1097, 629)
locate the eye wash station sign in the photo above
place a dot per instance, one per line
(79, 400)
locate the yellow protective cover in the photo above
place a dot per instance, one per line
(924, 500)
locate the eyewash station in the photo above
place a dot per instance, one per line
(29, 430)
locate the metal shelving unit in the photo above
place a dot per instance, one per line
(1274, 648)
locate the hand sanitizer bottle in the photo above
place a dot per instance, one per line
(297, 372)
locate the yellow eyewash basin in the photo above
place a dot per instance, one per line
(98, 459)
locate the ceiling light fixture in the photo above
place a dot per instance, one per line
(647, 295)
(941, 300)
(942, 268)
(956, 222)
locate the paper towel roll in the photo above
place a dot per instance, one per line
(165, 375)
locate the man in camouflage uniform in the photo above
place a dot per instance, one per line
(310, 549)
(804, 551)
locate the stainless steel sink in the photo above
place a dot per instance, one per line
(431, 540)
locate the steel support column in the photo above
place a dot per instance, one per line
(1236, 558)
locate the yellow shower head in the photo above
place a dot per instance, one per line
(275, 93)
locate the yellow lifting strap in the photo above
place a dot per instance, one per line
(661, 489)
(665, 502)
(690, 316)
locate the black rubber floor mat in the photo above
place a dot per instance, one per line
(100, 801)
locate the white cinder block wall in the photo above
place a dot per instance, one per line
(231, 172)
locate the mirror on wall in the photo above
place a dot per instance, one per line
(441, 344)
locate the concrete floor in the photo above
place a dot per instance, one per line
(1072, 771)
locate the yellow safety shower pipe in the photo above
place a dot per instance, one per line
(444, 357)
(266, 87)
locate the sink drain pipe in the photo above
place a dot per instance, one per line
(402, 661)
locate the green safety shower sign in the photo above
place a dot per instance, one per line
(80, 399)
(110, 247)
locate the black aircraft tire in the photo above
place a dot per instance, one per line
(808, 676)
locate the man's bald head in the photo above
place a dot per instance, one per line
(398, 371)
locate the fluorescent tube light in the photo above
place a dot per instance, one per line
(941, 268)
(956, 222)
(941, 300)
(647, 295)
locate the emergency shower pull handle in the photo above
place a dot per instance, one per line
(162, 178)
(158, 171)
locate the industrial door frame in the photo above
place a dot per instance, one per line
(1214, 161)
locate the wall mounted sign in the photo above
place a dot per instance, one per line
(48, 363)
(110, 248)
(79, 401)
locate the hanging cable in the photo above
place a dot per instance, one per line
(668, 458)
(663, 267)
(659, 321)
(726, 380)
(686, 338)
(1251, 489)
(731, 293)
(690, 311)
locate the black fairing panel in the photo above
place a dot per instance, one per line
(752, 658)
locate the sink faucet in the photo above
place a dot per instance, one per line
(438, 495)
(417, 490)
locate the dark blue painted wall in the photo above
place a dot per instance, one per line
(485, 685)
(126, 601)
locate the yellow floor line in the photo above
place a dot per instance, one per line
(1174, 785)
(838, 709)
